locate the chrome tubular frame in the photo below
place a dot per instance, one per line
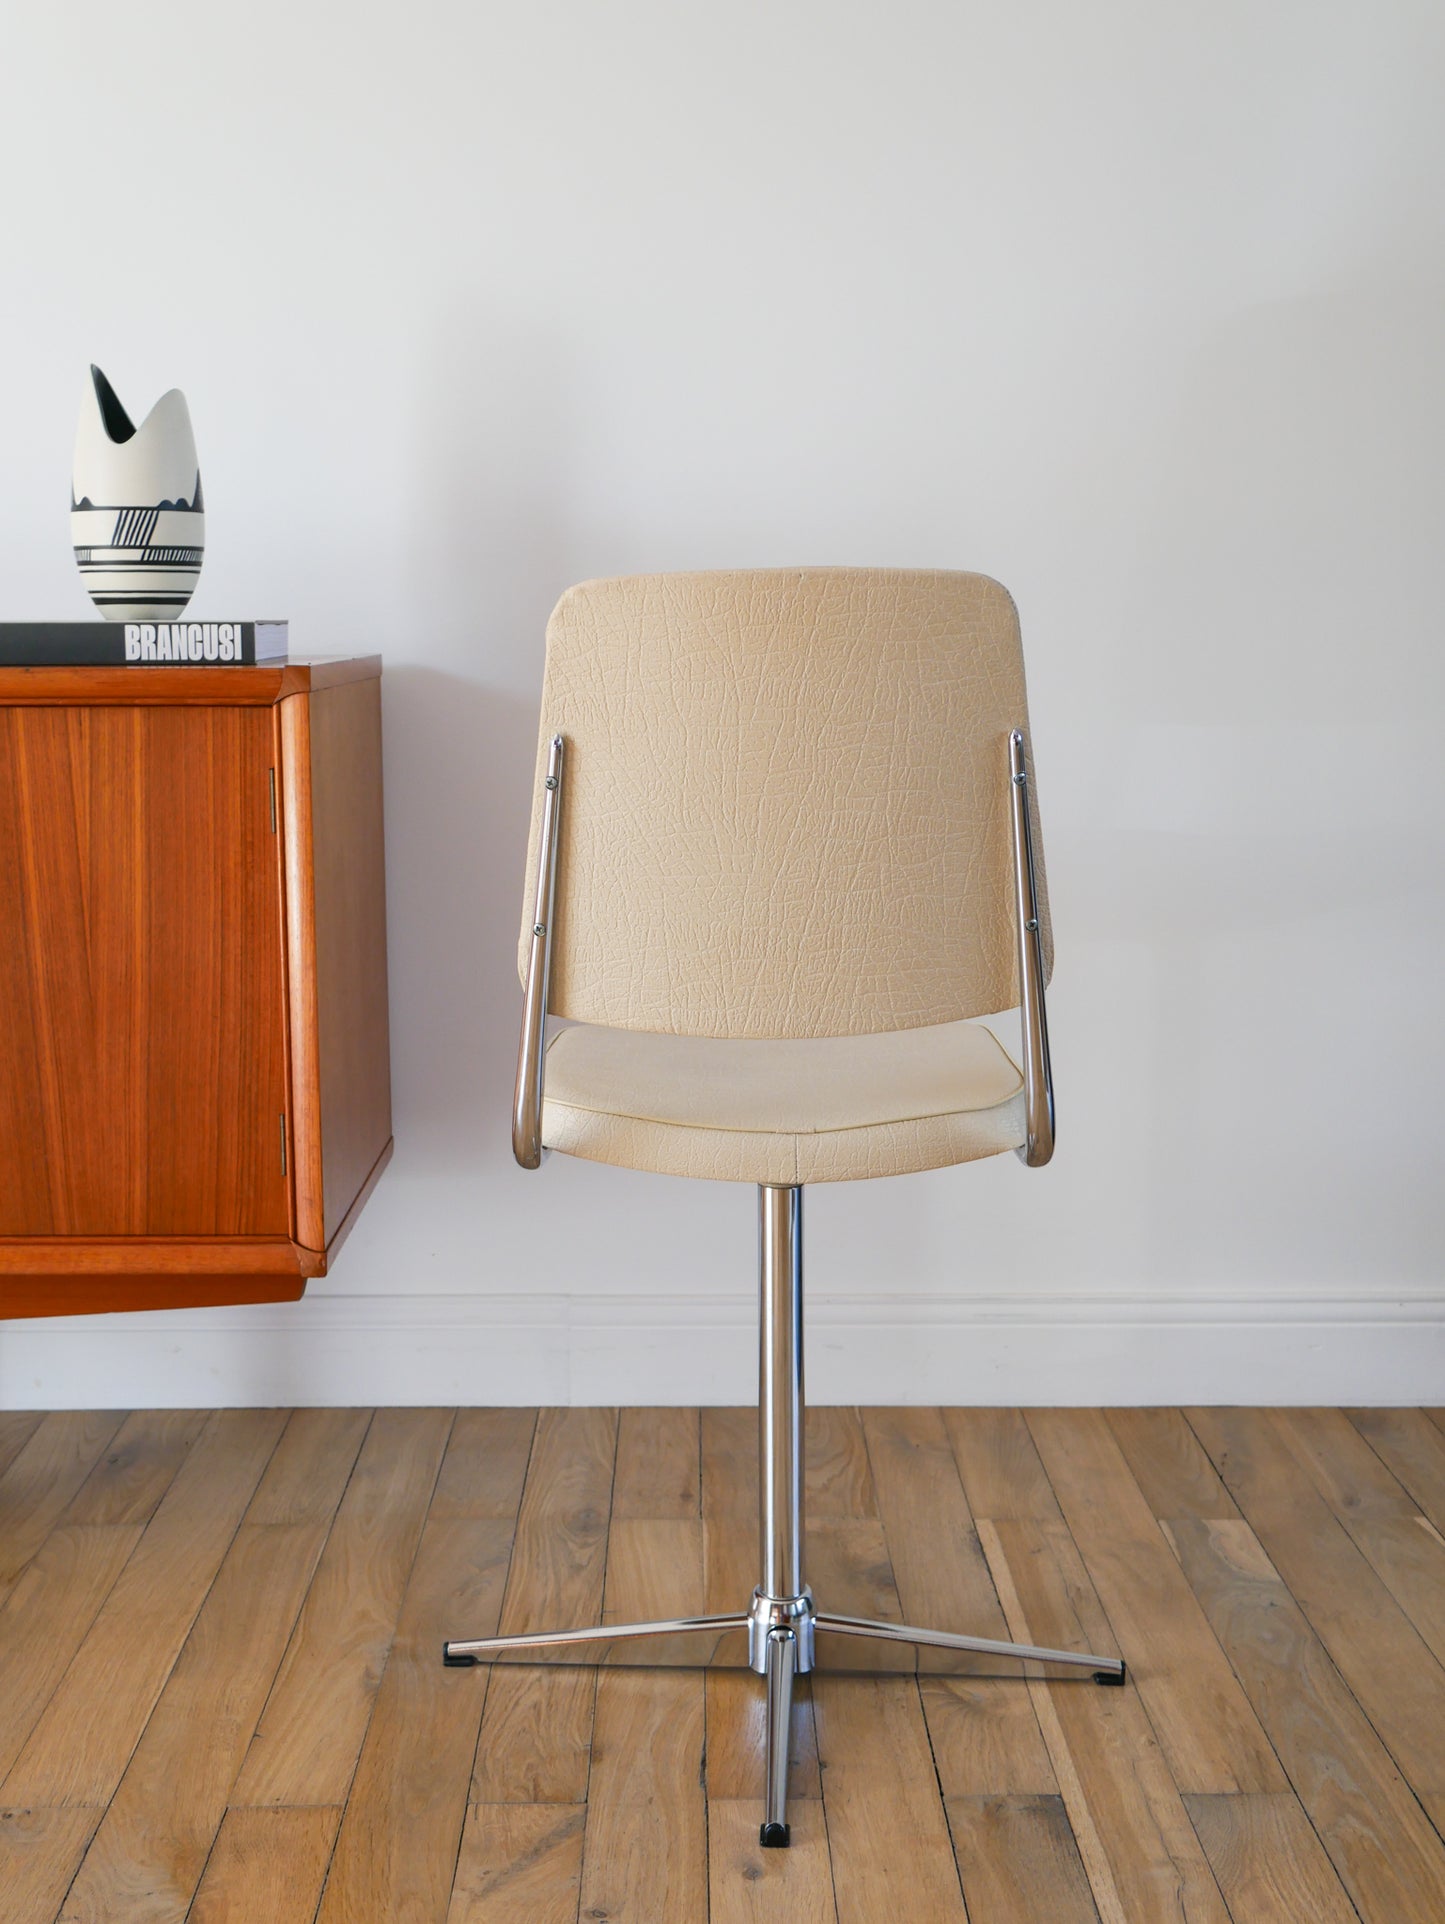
(532, 1049)
(782, 1623)
(1038, 1145)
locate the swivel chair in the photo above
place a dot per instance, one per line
(785, 848)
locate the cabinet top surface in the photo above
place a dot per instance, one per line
(249, 687)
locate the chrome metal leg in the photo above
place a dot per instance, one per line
(484, 1649)
(782, 1662)
(780, 1390)
(1106, 1669)
(782, 1622)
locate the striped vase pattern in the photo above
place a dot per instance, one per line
(137, 517)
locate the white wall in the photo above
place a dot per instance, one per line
(1138, 308)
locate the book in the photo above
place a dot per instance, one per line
(119, 644)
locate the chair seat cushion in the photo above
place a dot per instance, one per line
(826, 1110)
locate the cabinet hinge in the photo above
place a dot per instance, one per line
(283, 1142)
(271, 773)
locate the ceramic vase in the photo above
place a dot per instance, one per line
(137, 520)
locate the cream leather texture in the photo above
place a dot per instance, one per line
(827, 1110)
(785, 808)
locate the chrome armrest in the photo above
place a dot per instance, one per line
(532, 1050)
(1038, 1145)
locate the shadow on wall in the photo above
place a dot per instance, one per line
(460, 758)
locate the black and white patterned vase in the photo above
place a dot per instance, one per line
(137, 520)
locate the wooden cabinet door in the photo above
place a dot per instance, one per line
(142, 1024)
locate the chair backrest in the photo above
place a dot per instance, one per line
(785, 806)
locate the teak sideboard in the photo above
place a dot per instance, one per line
(195, 1086)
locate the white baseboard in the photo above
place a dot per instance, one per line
(1227, 1347)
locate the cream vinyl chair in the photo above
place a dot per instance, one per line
(785, 847)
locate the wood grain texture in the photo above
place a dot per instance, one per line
(1413, 1450)
(748, 1885)
(519, 1861)
(39, 1852)
(999, 1465)
(1168, 1464)
(16, 1429)
(173, 1067)
(310, 1732)
(80, 1747)
(887, 1833)
(267, 1867)
(537, 1725)
(646, 1782)
(259, 686)
(148, 1855)
(179, 1650)
(1201, 1716)
(1144, 1863)
(1378, 1513)
(983, 1736)
(142, 1075)
(1268, 1860)
(1388, 1665)
(44, 1475)
(349, 919)
(658, 1464)
(48, 1616)
(1388, 1856)
(397, 1849)
(1018, 1861)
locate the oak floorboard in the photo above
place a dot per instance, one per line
(645, 1854)
(1413, 1450)
(1387, 1855)
(887, 1833)
(1405, 1553)
(1398, 1682)
(1139, 1850)
(983, 1730)
(658, 1465)
(519, 1864)
(310, 1732)
(1003, 1478)
(1269, 1860)
(485, 1466)
(1018, 1861)
(81, 1744)
(39, 1853)
(837, 1478)
(750, 1885)
(151, 1848)
(137, 1467)
(1169, 1464)
(43, 1477)
(16, 1429)
(537, 1725)
(268, 1867)
(1210, 1734)
(730, 1464)
(47, 1617)
(397, 1848)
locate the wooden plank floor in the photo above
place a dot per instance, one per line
(221, 1696)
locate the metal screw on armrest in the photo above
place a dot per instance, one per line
(539, 928)
(1033, 924)
(551, 781)
(1019, 780)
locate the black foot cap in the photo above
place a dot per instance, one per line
(1109, 1677)
(462, 1661)
(775, 1837)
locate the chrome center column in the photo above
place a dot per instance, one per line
(782, 1600)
